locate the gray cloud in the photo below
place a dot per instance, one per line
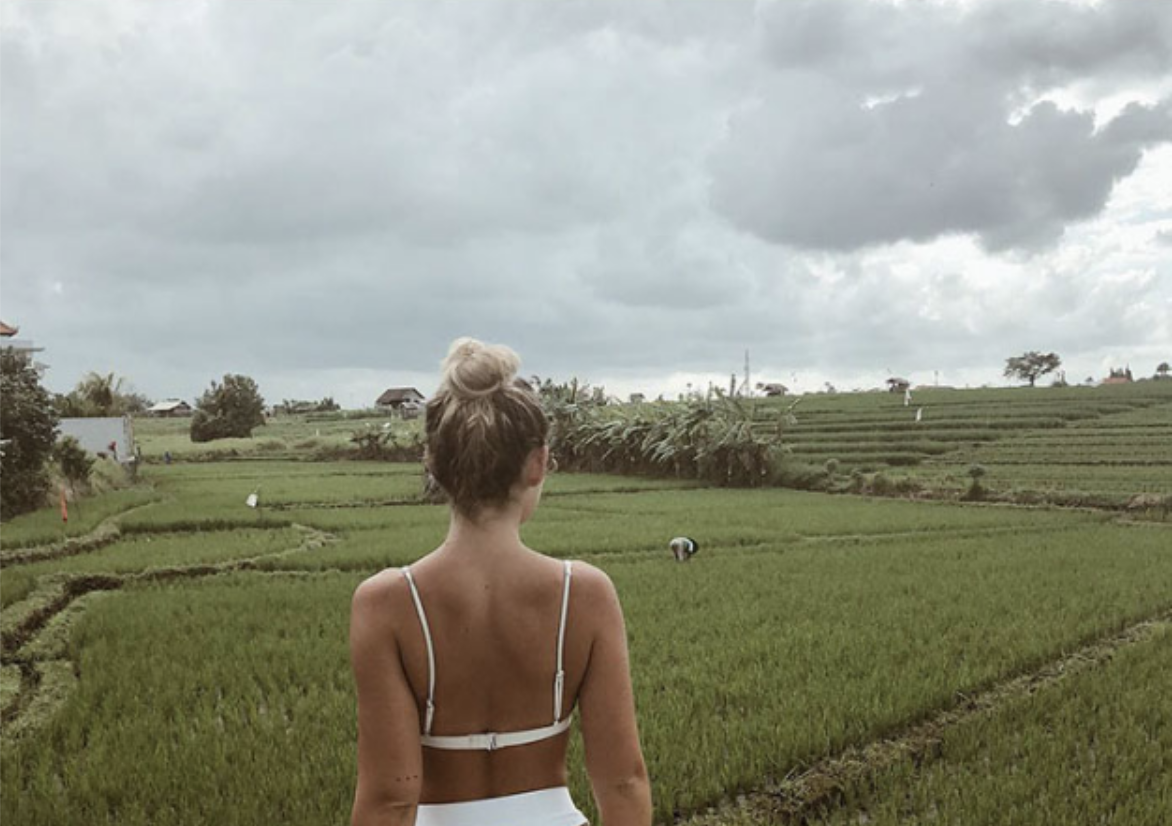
(320, 193)
(882, 123)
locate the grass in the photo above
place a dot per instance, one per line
(301, 436)
(153, 551)
(1054, 434)
(1094, 749)
(45, 527)
(238, 687)
(806, 624)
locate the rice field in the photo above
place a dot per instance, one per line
(1107, 442)
(1099, 747)
(194, 669)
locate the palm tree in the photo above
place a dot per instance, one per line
(100, 393)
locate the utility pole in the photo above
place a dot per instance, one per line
(748, 386)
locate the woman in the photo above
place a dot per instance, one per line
(469, 663)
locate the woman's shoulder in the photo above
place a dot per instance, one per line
(589, 577)
(593, 590)
(377, 598)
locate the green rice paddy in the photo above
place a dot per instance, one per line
(191, 691)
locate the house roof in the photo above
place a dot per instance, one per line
(5, 330)
(399, 394)
(169, 404)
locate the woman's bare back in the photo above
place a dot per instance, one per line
(494, 631)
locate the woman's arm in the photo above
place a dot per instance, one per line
(390, 760)
(610, 734)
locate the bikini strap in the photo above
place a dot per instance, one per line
(560, 678)
(430, 651)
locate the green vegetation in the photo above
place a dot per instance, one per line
(1094, 749)
(229, 410)
(27, 428)
(1101, 445)
(807, 625)
(153, 551)
(1031, 366)
(76, 465)
(301, 437)
(44, 527)
(100, 395)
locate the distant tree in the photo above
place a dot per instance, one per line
(28, 426)
(100, 395)
(1029, 366)
(290, 406)
(1162, 370)
(227, 410)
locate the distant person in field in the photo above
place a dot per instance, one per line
(470, 662)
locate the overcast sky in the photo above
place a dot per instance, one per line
(323, 194)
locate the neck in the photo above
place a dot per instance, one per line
(491, 533)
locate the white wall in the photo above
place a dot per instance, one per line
(95, 435)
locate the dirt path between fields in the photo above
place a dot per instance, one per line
(803, 795)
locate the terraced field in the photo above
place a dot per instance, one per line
(191, 667)
(1114, 442)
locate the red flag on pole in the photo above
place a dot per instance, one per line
(64, 507)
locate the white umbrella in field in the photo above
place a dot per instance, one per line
(253, 499)
(919, 413)
(907, 396)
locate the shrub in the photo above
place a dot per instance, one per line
(28, 425)
(228, 410)
(715, 439)
(976, 490)
(908, 485)
(383, 445)
(801, 476)
(74, 462)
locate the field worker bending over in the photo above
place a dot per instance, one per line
(469, 663)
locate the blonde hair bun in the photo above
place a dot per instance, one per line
(473, 369)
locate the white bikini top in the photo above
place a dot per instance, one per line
(492, 740)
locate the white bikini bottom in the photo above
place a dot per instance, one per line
(544, 807)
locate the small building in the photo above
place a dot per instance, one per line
(9, 341)
(772, 388)
(1119, 377)
(411, 409)
(396, 397)
(170, 408)
(897, 385)
(637, 398)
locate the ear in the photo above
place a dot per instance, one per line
(535, 466)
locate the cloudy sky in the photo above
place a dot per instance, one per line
(323, 194)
